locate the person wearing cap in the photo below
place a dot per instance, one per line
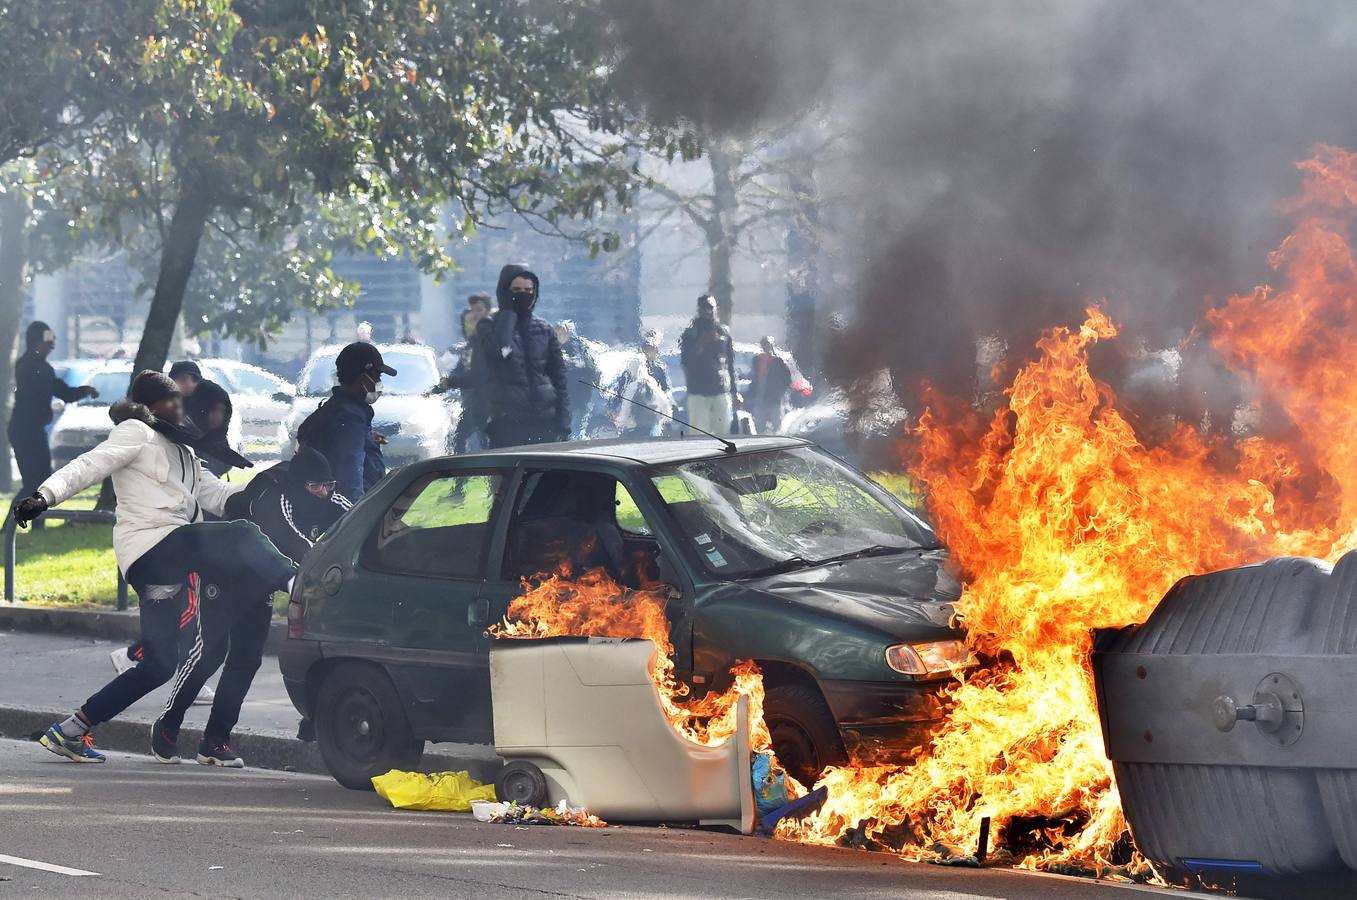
(35, 384)
(187, 375)
(173, 559)
(341, 427)
(524, 375)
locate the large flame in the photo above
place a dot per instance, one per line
(593, 605)
(1063, 521)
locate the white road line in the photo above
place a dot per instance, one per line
(45, 867)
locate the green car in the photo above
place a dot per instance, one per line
(777, 551)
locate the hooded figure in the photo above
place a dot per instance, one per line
(523, 368)
(209, 409)
(35, 384)
(298, 503)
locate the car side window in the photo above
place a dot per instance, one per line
(439, 527)
(629, 516)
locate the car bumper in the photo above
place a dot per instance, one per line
(295, 659)
(884, 722)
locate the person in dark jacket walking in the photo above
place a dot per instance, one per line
(35, 384)
(465, 377)
(341, 428)
(769, 381)
(523, 368)
(708, 357)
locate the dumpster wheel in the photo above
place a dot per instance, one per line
(521, 782)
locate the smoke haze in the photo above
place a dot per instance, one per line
(1005, 163)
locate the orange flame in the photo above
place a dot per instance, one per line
(1062, 521)
(593, 605)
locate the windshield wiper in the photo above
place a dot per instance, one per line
(789, 564)
(874, 550)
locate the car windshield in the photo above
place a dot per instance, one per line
(760, 513)
(111, 385)
(416, 372)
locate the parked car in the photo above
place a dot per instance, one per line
(260, 398)
(415, 424)
(83, 425)
(777, 552)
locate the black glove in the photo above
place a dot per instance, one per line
(28, 509)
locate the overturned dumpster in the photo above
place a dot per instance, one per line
(1230, 717)
(579, 719)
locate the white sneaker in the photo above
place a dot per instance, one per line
(205, 697)
(122, 660)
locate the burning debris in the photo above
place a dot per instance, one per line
(593, 605)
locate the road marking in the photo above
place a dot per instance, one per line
(45, 867)
(31, 789)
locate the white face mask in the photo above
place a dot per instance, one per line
(372, 395)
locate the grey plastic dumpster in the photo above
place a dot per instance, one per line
(585, 712)
(1230, 717)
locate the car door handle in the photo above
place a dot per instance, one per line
(478, 612)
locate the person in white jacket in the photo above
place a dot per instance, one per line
(162, 492)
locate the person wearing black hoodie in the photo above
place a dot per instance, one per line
(524, 372)
(295, 504)
(209, 409)
(35, 384)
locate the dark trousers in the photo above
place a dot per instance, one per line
(503, 432)
(228, 629)
(158, 578)
(31, 452)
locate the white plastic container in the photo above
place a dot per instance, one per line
(585, 712)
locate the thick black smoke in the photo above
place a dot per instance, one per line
(1006, 162)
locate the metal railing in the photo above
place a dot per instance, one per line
(10, 531)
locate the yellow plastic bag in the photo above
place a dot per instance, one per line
(447, 791)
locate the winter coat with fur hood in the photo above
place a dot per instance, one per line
(159, 483)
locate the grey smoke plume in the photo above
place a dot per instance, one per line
(1008, 161)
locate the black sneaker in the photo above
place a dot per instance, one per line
(212, 752)
(164, 743)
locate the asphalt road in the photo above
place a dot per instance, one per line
(146, 830)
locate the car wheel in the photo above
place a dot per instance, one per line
(805, 737)
(361, 726)
(521, 782)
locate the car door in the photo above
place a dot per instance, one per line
(431, 548)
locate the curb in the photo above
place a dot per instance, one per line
(96, 623)
(259, 750)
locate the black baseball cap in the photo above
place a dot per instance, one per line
(359, 358)
(186, 367)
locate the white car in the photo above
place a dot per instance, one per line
(415, 424)
(85, 424)
(261, 400)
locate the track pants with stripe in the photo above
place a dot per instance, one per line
(211, 555)
(227, 629)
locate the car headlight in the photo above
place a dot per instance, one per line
(929, 657)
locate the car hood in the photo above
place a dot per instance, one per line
(896, 594)
(83, 417)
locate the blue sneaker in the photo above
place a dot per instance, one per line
(79, 749)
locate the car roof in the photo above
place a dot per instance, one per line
(633, 451)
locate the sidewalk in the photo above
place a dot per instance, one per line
(44, 676)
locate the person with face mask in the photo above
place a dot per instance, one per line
(209, 409)
(465, 378)
(172, 558)
(522, 366)
(341, 427)
(35, 384)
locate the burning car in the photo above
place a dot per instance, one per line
(769, 549)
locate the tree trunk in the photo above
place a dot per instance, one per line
(803, 267)
(724, 158)
(15, 207)
(176, 265)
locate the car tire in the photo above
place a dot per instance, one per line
(805, 736)
(361, 727)
(521, 782)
